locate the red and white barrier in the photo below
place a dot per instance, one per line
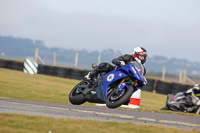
(134, 101)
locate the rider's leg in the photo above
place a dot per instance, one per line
(91, 74)
(103, 67)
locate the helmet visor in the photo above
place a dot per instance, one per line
(142, 56)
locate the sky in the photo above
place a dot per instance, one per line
(169, 28)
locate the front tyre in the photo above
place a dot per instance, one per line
(117, 98)
(75, 96)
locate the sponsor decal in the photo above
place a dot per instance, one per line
(110, 77)
(120, 74)
(133, 69)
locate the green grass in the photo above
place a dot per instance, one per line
(13, 123)
(22, 86)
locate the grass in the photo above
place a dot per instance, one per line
(13, 123)
(22, 86)
(18, 85)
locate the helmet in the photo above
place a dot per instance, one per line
(197, 86)
(140, 54)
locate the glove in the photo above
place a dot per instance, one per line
(121, 63)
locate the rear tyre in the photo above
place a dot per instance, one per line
(117, 98)
(75, 96)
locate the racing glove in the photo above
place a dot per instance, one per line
(121, 63)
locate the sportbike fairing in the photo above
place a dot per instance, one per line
(134, 69)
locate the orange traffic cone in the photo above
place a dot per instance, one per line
(134, 100)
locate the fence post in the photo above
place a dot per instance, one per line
(76, 60)
(163, 73)
(99, 59)
(154, 86)
(184, 75)
(36, 55)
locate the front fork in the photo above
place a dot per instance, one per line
(123, 84)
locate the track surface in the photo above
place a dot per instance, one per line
(97, 113)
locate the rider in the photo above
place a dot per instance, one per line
(192, 100)
(195, 90)
(139, 55)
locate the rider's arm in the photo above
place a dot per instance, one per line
(116, 61)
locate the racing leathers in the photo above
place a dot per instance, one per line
(106, 67)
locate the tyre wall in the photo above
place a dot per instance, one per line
(150, 85)
(154, 85)
(63, 72)
(14, 65)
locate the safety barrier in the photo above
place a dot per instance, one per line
(63, 72)
(30, 66)
(12, 64)
(150, 85)
(154, 85)
(165, 87)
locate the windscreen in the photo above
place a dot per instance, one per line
(139, 67)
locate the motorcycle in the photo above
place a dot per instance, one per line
(114, 88)
(183, 101)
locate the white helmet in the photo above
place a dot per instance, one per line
(140, 51)
(197, 86)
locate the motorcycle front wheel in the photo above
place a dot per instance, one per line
(75, 96)
(117, 98)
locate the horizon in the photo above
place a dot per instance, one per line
(115, 51)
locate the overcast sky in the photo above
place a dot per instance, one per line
(168, 28)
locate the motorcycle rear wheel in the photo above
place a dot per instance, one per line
(75, 96)
(116, 99)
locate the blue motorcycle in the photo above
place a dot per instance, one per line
(114, 88)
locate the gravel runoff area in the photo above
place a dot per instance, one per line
(97, 113)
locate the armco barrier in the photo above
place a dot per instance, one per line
(158, 86)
